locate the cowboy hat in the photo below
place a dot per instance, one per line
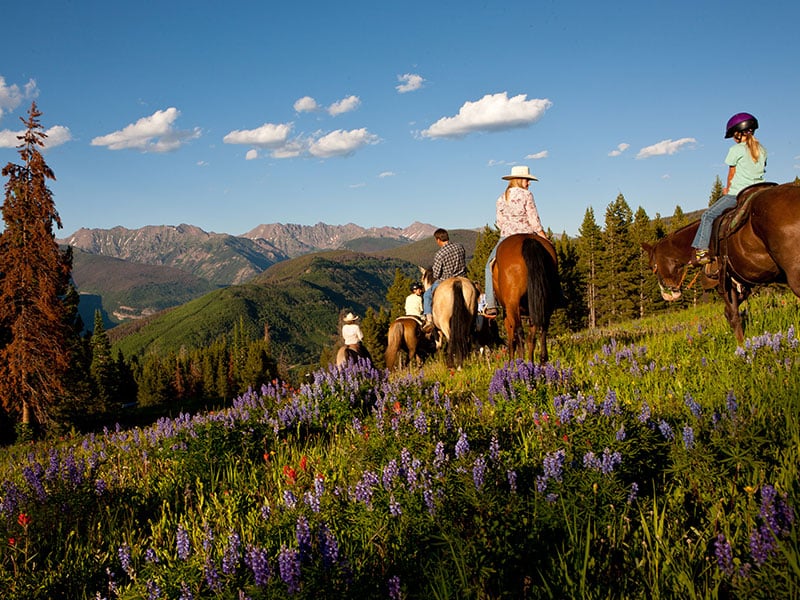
(350, 318)
(520, 172)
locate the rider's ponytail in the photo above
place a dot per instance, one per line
(753, 145)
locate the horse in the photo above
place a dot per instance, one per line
(406, 334)
(760, 249)
(525, 277)
(347, 354)
(455, 302)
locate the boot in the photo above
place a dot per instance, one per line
(428, 326)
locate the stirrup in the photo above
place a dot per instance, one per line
(701, 257)
(490, 313)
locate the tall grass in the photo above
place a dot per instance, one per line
(651, 460)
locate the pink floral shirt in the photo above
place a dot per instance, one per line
(518, 213)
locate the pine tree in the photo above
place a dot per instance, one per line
(574, 313)
(396, 294)
(646, 284)
(103, 369)
(590, 246)
(716, 191)
(678, 219)
(34, 282)
(375, 327)
(483, 247)
(617, 280)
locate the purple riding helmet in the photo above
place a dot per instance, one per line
(740, 122)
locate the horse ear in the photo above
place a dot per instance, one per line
(647, 248)
(421, 269)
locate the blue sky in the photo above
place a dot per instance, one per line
(227, 116)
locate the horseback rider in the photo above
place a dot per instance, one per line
(414, 306)
(516, 213)
(351, 332)
(747, 162)
(449, 261)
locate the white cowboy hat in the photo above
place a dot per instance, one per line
(520, 172)
(350, 318)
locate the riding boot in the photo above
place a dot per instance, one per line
(428, 326)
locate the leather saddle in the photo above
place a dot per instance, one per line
(735, 217)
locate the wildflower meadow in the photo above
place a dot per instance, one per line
(656, 459)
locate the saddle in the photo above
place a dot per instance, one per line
(734, 218)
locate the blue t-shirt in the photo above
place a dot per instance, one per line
(747, 171)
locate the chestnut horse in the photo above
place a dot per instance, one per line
(525, 277)
(763, 249)
(455, 302)
(406, 334)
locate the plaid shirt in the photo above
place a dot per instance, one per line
(449, 261)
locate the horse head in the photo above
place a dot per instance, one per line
(669, 266)
(427, 277)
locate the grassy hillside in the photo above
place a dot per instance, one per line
(139, 287)
(299, 300)
(421, 252)
(654, 459)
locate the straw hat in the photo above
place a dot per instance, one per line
(350, 318)
(520, 172)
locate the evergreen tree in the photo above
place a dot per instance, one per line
(646, 284)
(678, 219)
(375, 327)
(396, 294)
(590, 246)
(617, 279)
(574, 314)
(34, 283)
(483, 247)
(716, 191)
(103, 369)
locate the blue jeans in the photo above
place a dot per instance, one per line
(427, 298)
(488, 284)
(703, 235)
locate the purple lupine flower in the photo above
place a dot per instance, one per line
(150, 555)
(512, 480)
(632, 495)
(124, 554)
(100, 487)
(610, 460)
(479, 471)
(553, 464)
(186, 593)
(289, 499)
(211, 575)
(610, 405)
(256, 560)
(421, 422)
(182, 543)
(494, 449)
(694, 407)
(551, 498)
(428, 498)
(462, 445)
(541, 483)
(303, 535)
(395, 593)
(394, 507)
(390, 473)
(590, 461)
(688, 437)
(153, 591)
(439, 458)
(230, 559)
(762, 544)
(644, 414)
(621, 433)
(328, 547)
(289, 568)
(666, 430)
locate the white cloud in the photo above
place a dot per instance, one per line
(665, 147)
(409, 82)
(11, 96)
(290, 149)
(56, 136)
(306, 104)
(538, 155)
(619, 149)
(155, 133)
(387, 174)
(493, 112)
(344, 105)
(252, 154)
(269, 135)
(341, 143)
(357, 185)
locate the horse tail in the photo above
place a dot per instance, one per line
(460, 325)
(544, 288)
(395, 338)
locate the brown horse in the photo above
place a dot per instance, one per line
(763, 249)
(347, 354)
(526, 269)
(406, 334)
(455, 302)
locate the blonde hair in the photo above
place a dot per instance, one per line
(512, 183)
(753, 145)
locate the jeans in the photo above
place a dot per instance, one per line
(703, 235)
(427, 298)
(488, 284)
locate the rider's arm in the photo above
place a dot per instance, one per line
(731, 173)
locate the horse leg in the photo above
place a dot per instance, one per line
(732, 313)
(512, 318)
(543, 344)
(532, 335)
